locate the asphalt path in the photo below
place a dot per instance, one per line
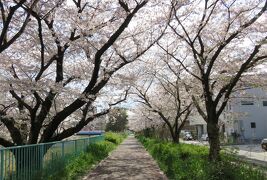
(129, 161)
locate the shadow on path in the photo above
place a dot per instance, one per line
(129, 161)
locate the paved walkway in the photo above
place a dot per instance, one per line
(129, 161)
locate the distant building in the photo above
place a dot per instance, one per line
(199, 125)
(245, 116)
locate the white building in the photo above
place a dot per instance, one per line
(199, 124)
(245, 116)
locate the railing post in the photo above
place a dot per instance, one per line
(2, 165)
(63, 150)
(41, 156)
(75, 147)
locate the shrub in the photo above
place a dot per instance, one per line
(100, 150)
(115, 138)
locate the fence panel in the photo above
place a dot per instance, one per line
(31, 161)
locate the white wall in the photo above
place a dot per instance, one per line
(251, 113)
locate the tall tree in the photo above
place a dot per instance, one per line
(163, 94)
(63, 62)
(118, 120)
(217, 42)
(13, 21)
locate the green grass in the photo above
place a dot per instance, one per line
(80, 165)
(115, 138)
(186, 162)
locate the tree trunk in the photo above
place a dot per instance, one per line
(175, 136)
(175, 139)
(214, 141)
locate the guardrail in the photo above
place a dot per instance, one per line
(33, 161)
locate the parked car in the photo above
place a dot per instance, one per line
(187, 136)
(204, 137)
(264, 144)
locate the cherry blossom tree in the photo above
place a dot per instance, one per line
(162, 93)
(66, 60)
(144, 122)
(14, 21)
(141, 119)
(217, 42)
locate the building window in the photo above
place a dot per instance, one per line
(264, 103)
(247, 103)
(253, 125)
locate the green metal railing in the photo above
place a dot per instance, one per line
(33, 161)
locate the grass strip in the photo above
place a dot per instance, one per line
(186, 162)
